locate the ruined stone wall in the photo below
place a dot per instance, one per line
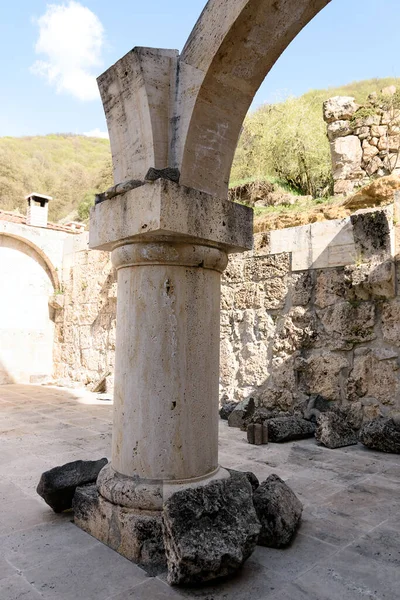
(364, 140)
(321, 318)
(85, 320)
(311, 310)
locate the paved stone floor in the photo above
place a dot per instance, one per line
(348, 546)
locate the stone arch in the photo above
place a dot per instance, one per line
(230, 51)
(186, 111)
(27, 246)
(26, 321)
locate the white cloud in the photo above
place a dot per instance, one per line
(97, 133)
(71, 37)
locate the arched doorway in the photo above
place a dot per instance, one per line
(26, 329)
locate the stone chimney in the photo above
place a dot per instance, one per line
(38, 207)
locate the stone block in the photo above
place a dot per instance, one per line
(339, 128)
(166, 208)
(226, 410)
(242, 411)
(57, 486)
(330, 287)
(135, 534)
(333, 431)
(301, 287)
(391, 321)
(339, 108)
(261, 268)
(346, 324)
(346, 154)
(285, 429)
(323, 373)
(209, 531)
(375, 379)
(279, 512)
(257, 434)
(382, 435)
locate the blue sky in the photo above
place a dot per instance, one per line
(51, 51)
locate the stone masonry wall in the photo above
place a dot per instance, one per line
(311, 310)
(85, 323)
(364, 140)
(322, 318)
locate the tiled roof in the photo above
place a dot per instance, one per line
(21, 220)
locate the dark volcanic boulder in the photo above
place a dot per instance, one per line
(334, 431)
(209, 531)
(284, 429)
(57, 486)
(226, 410)
(242, 412)
(381, 434)
(279, 512)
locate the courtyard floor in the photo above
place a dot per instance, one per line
(348, 546)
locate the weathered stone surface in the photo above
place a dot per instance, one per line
(371, 280)
(279, 512)
(57, 486)
(226, 410)
(322, 374)
(347, 154)
(339, 108)
(284, 429)
(382, 435)
(339, 129)
(346, 324)
(391, 322)
(379, 191)
(301, 288)
(135, 534)
(333, 431)
(209, 531)
(242, 411)
(330, 287)
(375, 379)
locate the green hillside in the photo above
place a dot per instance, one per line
(284, 142)
(70, 168)
(287, 141)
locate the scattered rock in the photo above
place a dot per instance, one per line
(226, 410)
(279, 512)
(382, 435)
(250, 476)
(333, 431)
(284, 429)
(209, 531)
(241, 413)
(57, 486)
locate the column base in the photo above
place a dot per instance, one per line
(133, 533)
(201, 534)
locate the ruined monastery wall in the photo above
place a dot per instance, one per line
(314, 310)
(364, 140)
(311, 310)
(85, 320)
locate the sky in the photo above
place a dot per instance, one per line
(51, 53)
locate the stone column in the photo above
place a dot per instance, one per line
(169, 245)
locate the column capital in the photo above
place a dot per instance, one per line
(166, 211)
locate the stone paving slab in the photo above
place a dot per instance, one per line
(348, 547)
